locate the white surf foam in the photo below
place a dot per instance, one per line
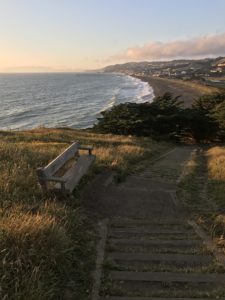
(145, 92)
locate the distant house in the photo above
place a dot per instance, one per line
(220, 69)
(221, 65)
(213, 71)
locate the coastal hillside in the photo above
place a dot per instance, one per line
(188, 79)
(173, 68)
(112, 150)
(47, 245)
(208, 72)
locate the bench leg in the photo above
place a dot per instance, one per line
(41, 180)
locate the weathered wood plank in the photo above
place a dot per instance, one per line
(60, 160)
(72, 176)
(156, 243)
(162, 258)
(76, 172)
(168, 277)
(150, 298)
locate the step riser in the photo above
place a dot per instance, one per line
(155, 243)
(156, 250)
(152, 236)
(168, 277)
(144, 298)
(149, 222)
(165, 289)
(141, 260)
(167, 260)
(161, 257)
(159, 266)
(151, 231)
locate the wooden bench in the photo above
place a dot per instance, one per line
(65, 171)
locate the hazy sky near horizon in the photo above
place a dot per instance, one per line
(69, 35)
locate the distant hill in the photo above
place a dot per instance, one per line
(201, 65)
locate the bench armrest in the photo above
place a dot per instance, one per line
(88, 148)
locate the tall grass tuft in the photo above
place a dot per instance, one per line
(203, 190)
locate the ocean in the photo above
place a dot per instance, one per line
(64, 99)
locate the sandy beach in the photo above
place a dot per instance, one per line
(187, 90)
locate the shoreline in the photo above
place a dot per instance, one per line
(188, 92)
(150, 94)
(157, 87)
(143, 92)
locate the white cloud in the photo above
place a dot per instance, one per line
(209, 45)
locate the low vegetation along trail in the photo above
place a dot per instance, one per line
(149, 249)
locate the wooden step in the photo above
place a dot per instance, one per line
(152, 227)
(158, 243)
(150, 298)
(148, 221)
(168, 277)
(151, 231)
(162, 258)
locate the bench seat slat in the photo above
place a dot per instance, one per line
(76, 172)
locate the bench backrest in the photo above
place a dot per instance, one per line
(60, 160)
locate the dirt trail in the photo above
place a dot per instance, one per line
(143, 195)
(150, 250)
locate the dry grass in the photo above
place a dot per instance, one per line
(216, 190)
(31, 246)
(47, 245)
(45, 252)
(216, 163)
(203, 191)
(216, 175)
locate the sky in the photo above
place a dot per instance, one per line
(74, 35)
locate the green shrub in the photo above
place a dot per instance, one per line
(166, 118)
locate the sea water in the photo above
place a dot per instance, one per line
(64, 99)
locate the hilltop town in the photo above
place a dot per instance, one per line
(208, 71)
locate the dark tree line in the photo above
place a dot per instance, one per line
(167, 118)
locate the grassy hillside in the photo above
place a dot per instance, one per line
(47, 245)
(203, 188)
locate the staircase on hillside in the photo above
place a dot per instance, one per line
(158, 260)
(149, 249)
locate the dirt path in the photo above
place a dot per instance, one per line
(143, 195)
(149, 249)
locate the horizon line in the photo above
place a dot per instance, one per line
(49, 70)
